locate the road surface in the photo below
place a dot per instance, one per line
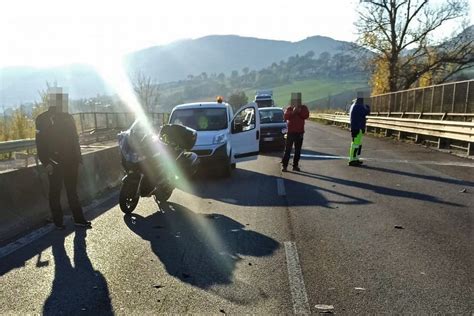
(393, 236)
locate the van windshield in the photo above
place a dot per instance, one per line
(201, 119)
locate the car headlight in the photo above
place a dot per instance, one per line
(284, 130)
(220, 139)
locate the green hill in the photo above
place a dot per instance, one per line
(312, 90)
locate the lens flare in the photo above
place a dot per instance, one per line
(114, 74)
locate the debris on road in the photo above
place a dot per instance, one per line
(399, 227)
(463, 190)
(359, 289)
(324, 308)
(158, 286)
(222, 311)
(250, 263)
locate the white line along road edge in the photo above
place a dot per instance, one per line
(295, 276)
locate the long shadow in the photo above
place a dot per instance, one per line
(250, 188)
(18, 258)
(379, 189)
(421, 176)
(202, 249)
(78, 289)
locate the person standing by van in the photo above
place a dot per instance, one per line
(358, 115)
(295, 115)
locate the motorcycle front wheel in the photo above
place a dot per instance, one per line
(127, 201)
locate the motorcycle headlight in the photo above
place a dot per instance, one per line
(284, 130)
(220, 139)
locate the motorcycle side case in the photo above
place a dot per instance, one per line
(178, 135)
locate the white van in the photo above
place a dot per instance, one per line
(223, 139)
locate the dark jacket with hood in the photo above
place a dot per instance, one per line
(358, 113)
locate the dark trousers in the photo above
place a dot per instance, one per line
(66, 174)
(297, 140)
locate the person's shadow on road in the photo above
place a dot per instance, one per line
(200, 249)
(77, 289)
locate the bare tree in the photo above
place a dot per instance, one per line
(146, 89)
(401, 32)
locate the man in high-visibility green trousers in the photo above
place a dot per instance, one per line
(358, 114)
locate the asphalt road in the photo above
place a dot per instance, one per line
(392, 236)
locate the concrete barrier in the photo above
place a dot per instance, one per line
(24, 192)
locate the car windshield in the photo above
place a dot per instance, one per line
(201, 119)
(271, 116)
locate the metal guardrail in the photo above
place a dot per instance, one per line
(92, 127)
(17, 145)
(453, 97)
(91, 121)
(444, 131)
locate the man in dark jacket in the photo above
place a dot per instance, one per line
(358, 114)
(58, 149)
(295, 115)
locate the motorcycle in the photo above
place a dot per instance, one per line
(153, 163)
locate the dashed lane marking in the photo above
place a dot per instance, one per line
(295, 277)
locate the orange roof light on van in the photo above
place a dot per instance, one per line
(219, 99)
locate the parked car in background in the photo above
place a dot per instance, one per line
(223, 138)
(273, 128)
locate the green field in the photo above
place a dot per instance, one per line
(311, 90)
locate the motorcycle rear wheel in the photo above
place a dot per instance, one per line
(163, 194)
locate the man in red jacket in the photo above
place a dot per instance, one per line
(295, 115)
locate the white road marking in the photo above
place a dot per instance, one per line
(415, 162)
(281, 187)
(295, 276)
(40, 232)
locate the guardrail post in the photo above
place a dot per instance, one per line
(402, 135)
(95, 120)
(81, 118)
(422, 100)
(432, 99)
(418, 138)
(454, 98)
(467, 97)
(443, 143)
(470, 149)
(442, 99)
